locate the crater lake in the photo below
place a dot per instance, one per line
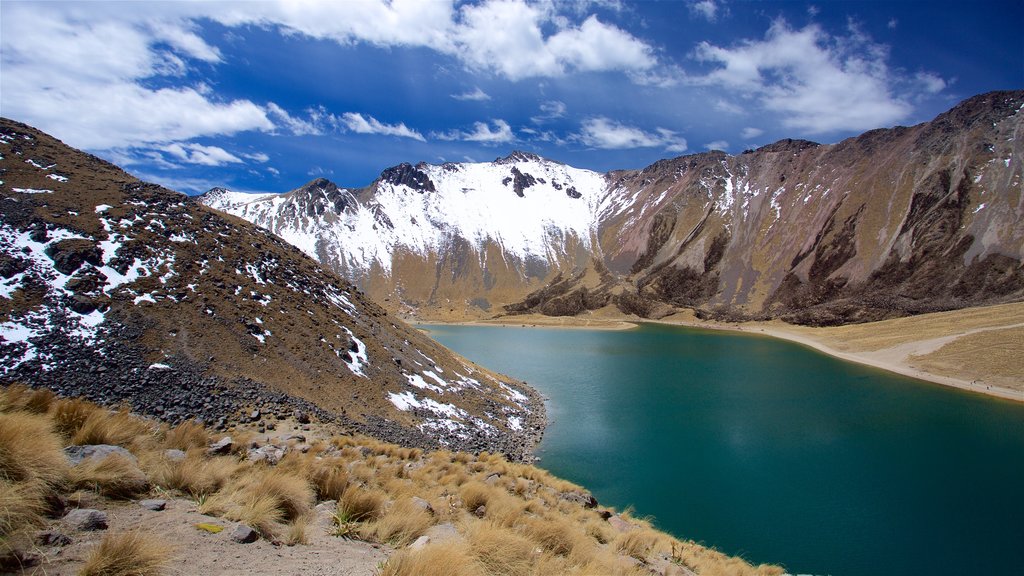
(772, 451)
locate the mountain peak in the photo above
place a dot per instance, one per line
(519, 156)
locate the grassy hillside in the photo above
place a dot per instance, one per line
(481, 513)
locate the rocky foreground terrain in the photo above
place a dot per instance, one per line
(117, 290)
(92, 492)
(894, 222)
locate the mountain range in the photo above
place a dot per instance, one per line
(122, 291)
(890, 223)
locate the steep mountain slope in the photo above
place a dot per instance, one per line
(437, 237)
(893, 222)
(184, 312)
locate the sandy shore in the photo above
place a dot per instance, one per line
(893, 345)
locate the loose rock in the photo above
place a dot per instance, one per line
(86, 519)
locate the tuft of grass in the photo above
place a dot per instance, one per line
(30, 451)
(361, 504)
(475, 494)
(450, 558)
(18, 397)
(557, 535)
(402, 523)
(114, 477)
(70, 414)
(127, 554)
(635, 543)
(197, 474)
(187, 435)
(264, 499)
(329, 478)
(21, 508)
(500, 550)
(118, 428)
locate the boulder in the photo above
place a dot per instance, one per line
(585, 499)
(222, 446)
(86, 519)
(78, 454)
(52, 538)
(153, 504)
(244, 534)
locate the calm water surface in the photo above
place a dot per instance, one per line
(772, 451)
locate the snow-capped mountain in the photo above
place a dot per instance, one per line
(895, 221)
(118, 290)
(422, 233)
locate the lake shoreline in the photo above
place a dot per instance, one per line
(894, 359)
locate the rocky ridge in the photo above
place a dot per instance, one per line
(894, 222)
(183, 312)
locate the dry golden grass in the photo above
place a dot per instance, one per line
(450, 558)
(400, 524)
(19, 397)
(187, 435)
(29, 450)
(500, 550)
(361, 504)
(197, 475)
(114, 477)
(118, 428)
(21, 508)
(557, 535)
(70, 414)
(635, 543)
(265, 499)
(475, 494)
(526, 525)
(127, 554)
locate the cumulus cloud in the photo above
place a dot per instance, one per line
(85, 79)
(717, 145)
(475, 95)
(818, 83)
(605, 133)
(514, 38)
(369, 125)
(482, 132)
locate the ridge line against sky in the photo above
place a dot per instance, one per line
(263, 96)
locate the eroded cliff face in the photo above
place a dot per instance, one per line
(893, 222)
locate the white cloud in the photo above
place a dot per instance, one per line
(893, 23)
(717, 145)
(80, 75)
(549, 110)
(750, 132)
(508, 37)
(930, 83)
(482, 132)
(706, 9)
(818, 83)
(200, 154)
(257, 157)
(602, 132)
(369, 125)
(475, 95)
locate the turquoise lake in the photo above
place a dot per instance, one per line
(769, 450)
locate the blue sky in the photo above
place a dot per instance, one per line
(264, 96)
